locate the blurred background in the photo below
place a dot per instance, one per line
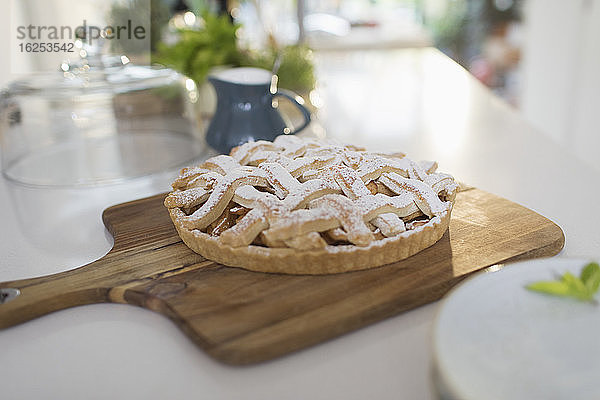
(540, 56)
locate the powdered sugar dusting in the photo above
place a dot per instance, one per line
(221, 164)
(242, 153)
(291, 192)
(186, 198)
(222, 194)
(373, 167)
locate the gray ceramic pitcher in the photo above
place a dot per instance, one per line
(245, 109)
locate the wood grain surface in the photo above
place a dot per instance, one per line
(242, 317)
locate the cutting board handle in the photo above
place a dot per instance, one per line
(23, 300)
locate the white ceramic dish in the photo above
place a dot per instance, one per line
(493, 339)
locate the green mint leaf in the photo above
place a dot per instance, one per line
(590, 275)
(568, 285)
(576, 286)
(555, 288)
(593, 284)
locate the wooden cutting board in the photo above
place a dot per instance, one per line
(242, 317)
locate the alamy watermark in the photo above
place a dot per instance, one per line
(49, 38)
(37, 43)
(90, 33)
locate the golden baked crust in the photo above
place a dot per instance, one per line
(329, 260)
(301, 207)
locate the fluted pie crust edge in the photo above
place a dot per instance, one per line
(329, 260)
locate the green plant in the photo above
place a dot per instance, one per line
(582, 288)
(296, 71)
(449, 28)
(198, 51)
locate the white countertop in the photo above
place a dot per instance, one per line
(417, 101)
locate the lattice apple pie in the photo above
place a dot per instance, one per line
(298, 206)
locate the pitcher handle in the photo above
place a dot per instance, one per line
(288, 94)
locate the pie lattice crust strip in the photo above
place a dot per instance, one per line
(298, 206)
